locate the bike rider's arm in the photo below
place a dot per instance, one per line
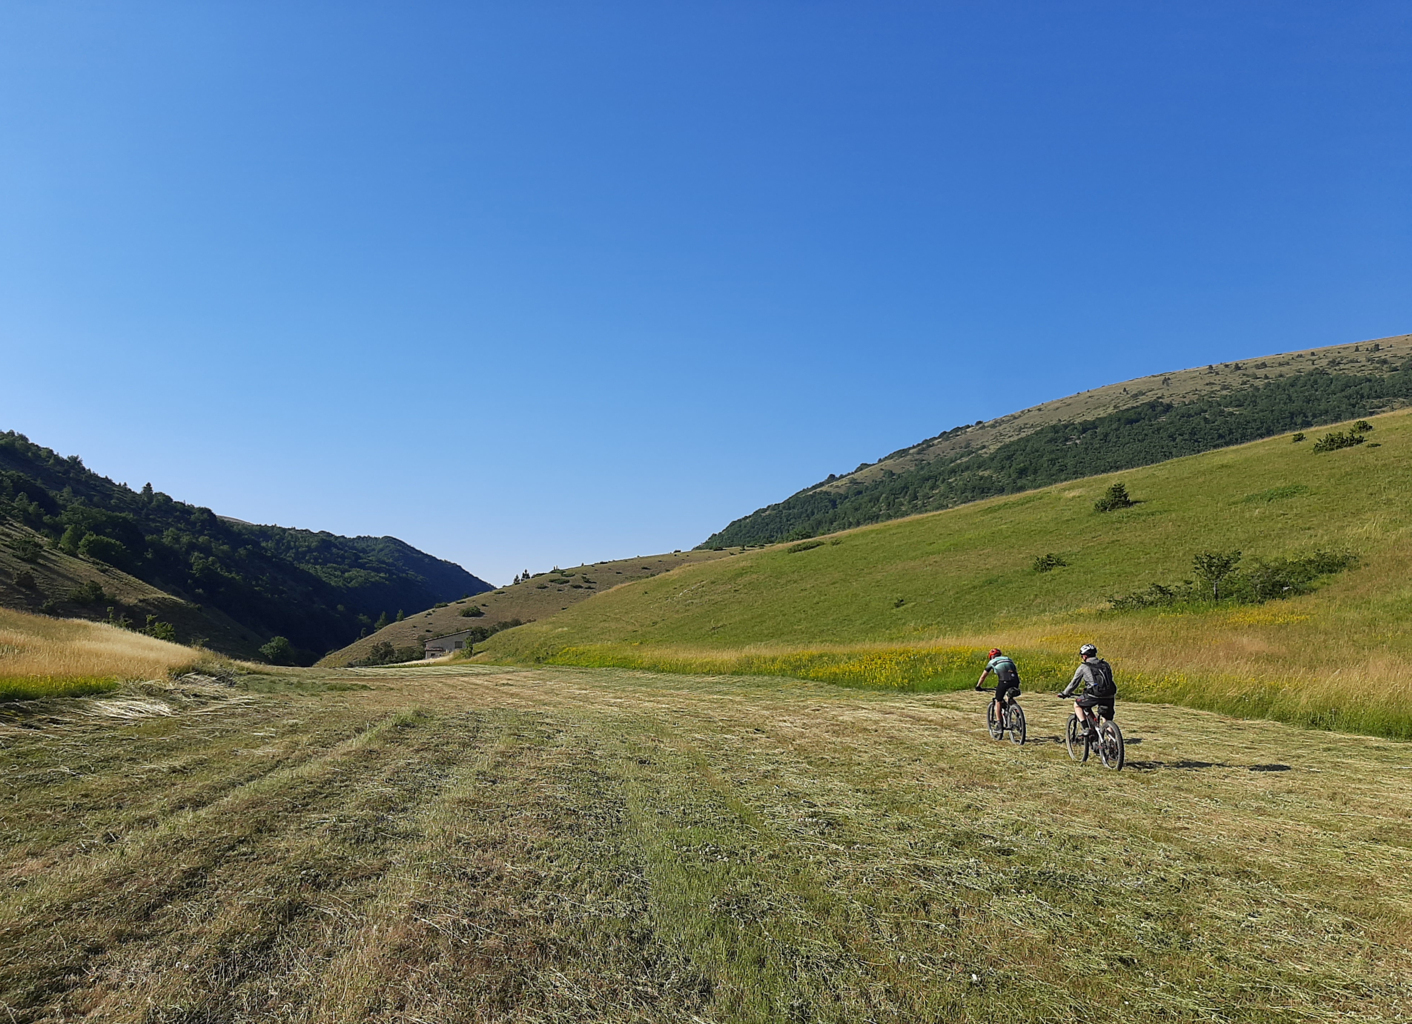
(1080, 674)
(982, 678)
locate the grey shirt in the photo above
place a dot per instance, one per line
(1089, 673)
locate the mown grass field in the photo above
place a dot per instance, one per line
(1340, 657)
(499, 844)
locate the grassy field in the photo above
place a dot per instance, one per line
(46, 657)
(1340, 657)
(557, 844)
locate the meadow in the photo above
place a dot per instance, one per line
(915, 591)
(466, 844)
(47, 657)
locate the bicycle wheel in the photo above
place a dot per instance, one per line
(1110, 745)
(1017, 725)
(1075, 740)
(992, 724)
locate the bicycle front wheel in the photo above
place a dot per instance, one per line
(1110, 745)
(1075, 740)
(993, 724)
(1017, 725)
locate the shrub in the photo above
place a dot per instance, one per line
(24, 579)
(1258, 582)
(104, 549)
(1362, 427)
(383, 653)
(1047, 563)
(1333, 441)
(160, 630)
(473, 612)
(1298, 437)
(26, 549)
(279, 651)
(1114, 498)
(804, 546)
(1213, 567)
(90, 592)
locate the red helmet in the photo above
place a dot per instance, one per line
(995, 652)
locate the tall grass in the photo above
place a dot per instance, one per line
(1370, 698)
(44, 657)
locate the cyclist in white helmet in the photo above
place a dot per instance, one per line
(1099, 691)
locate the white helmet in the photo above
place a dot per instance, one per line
(1088, 651)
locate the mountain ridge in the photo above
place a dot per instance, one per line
(921, 477)
(317, 589)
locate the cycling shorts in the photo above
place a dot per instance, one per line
(1103, 704)
(1002, 691)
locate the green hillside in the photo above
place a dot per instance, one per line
(1121, 426)
(233, 584)
(535, 597)
(860, 605)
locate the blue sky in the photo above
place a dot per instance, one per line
(530, 284)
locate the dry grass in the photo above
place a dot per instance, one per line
(463, 844)
(45, 657)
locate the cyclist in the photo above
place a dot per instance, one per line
(1099, 690)
(1007, 680)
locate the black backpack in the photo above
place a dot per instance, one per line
(1102, 685)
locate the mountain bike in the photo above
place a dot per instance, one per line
(1011, 719)
(1109, 742)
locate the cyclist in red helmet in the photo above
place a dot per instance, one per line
(1007, 679)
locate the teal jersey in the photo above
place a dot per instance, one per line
(1004, 669)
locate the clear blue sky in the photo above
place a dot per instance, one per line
(531, 283)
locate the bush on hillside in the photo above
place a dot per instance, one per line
(1213, 567)
(1047, 563)
(383, 653)
(24, 579)
(1299, 436)
(104, 549)
(90, 592)
(473, 612)
(1260, 581)
(26, 549)
(160, 630)
(1334, 440)
(804, 546)
(1114, 498)
(1362, 427)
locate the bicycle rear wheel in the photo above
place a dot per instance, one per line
(1017, 725)
(993, 725)
(1110, 745)
(1075, 739)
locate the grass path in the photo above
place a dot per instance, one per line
(472, 844)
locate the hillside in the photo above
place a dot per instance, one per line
(539, 597)
(1120, 426)
(232, 584)
(966, 577)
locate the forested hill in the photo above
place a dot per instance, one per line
(1120, 426)
(319, 590)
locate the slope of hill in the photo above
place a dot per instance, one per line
(1121, 426)
(538, 597)
(231, 583)
(867, 600)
